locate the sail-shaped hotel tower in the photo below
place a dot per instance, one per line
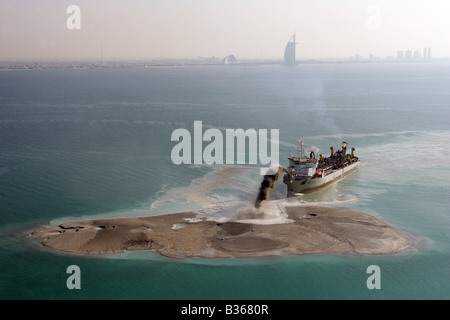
(289, 52)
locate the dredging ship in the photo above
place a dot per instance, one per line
(309, 174)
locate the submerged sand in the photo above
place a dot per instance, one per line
(314, 230)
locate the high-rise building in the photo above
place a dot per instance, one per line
(424, 53)
(400, 54)
(289, 52)
(408, 54)
(429, 53)
(416, 55)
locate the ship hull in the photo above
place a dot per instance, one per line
(313, 184)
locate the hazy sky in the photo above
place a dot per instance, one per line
(259, 29)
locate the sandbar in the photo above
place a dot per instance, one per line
(313, 230)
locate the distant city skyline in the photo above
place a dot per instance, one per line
(251, 29)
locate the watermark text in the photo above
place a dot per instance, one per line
(236, 147)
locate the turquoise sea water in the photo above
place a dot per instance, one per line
(96, 143)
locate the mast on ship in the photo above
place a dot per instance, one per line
(301, 148)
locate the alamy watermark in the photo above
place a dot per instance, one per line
(235, 140)
(374, 280)
(373, 22)
(73, 22)
(73, 281)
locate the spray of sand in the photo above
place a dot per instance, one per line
(262, 211)
(242, 208)
(268, 184)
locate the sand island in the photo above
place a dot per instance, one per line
(313, 230)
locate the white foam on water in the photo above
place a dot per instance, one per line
(178, 226)
(303, 203)
(104, 215)
(410, 161)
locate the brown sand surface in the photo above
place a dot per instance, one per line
(314, 230)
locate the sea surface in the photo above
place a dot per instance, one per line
(96, 143)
